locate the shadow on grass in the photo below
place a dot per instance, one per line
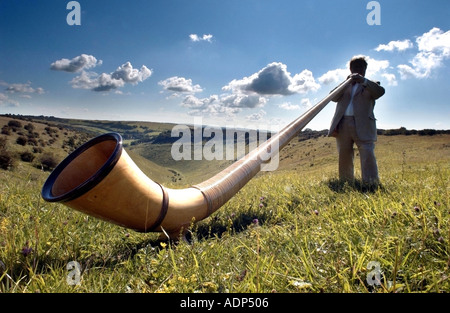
(216, 226)
(234, 224)
(342, 186)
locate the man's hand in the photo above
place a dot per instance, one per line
(357, 78)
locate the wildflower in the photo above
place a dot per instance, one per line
(255, 221)
(300, 284)
(4, 225)
(26, 250)
(210, 286)
(242, 275)
(316, 212)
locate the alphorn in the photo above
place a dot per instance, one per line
(101, 180)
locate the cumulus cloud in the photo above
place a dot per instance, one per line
(20, 90)
(274, 79)
(211, 105)
(390, 78)
(243, 101)
(117, 79)
(106, 82)
(226, 104)
(375, 68)
(197, 38)
(334, 76)
(5, 100)
(306, 103)
(23, 88)
(247, 93)
(128, 74)
(399, 45)
(433, 49)
(256, 117)
(289, 106)
(180, 85)
(78, 63)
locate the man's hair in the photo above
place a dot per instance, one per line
(358, 59)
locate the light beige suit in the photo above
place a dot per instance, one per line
(360, 129)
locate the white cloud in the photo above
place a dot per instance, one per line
(22, 88)
(435, 41)
(243, 101)
(117, 79)
(306, 103)
(390, 78)
(196, 103)
(208, 106)
(256, 117)
(274, 79)
(78, 63)
(86, 80)
(180, 84)
(334, 76)
(247, 93)
(23, 91)
(227, 104)
(434, 48)
(106, 82)
(197, 38)
(128, 74)
(399, 45)
(6, 101)
(289, 106)
(374, 68)
(304, 82)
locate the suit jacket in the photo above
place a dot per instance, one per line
(363, 105)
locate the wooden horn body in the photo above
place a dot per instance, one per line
(101, 180)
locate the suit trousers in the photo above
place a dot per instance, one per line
(346, 138)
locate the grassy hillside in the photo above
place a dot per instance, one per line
(297, 229)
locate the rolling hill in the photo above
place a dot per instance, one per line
(149, 144)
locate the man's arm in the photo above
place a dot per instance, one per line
(375, 89)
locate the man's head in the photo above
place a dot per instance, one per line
(358, 65)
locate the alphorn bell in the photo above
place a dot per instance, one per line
(100, 179)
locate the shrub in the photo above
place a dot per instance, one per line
(48, 162)
(29, 127)
(32, 142)
(6, 130)
(27, 156)
(37, 150)
(2, 143)
(14, 124)
(6, 160)
(21, 140)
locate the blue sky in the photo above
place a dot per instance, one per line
(250, 63)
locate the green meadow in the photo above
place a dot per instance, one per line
(296, 229)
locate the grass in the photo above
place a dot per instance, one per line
(294, 230)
